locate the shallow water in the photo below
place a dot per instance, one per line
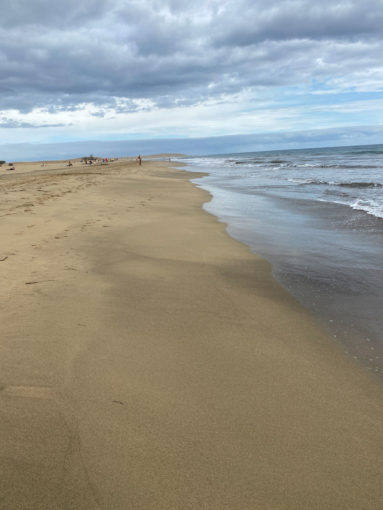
(317, 216)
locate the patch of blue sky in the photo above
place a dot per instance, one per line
(317, 94)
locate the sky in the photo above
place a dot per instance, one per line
(204, 74)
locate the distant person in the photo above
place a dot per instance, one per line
(139, 159)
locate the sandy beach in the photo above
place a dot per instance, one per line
(150, 361)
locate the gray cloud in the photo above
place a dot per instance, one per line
(59, 55)
(8, 123)
(302, 19)
(46, 14)
(13, 124)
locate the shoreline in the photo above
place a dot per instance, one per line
(149, 360)
(340, 300)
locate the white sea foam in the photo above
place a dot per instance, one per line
(370, 207)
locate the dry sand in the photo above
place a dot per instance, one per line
(149, 361)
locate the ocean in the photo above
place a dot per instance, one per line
(317, 216)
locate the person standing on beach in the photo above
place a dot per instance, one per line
(139, 159)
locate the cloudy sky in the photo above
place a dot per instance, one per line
(79, 70)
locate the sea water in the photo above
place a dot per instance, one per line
(317, 216)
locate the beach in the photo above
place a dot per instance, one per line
(150, 361)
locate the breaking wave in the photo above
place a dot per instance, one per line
(356, 184)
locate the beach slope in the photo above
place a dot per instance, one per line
(149, 361)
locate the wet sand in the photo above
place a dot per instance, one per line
(343, 284)
(149, 361)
